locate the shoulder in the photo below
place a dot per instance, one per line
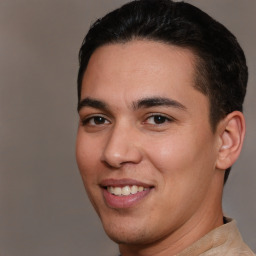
(233, 245)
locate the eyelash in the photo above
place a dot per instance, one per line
(163, 120)
(86, 121)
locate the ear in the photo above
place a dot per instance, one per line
(232, 131)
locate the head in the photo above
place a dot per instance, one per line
(160, 89)
(221, 68)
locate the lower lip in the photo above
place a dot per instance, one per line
(124, 201)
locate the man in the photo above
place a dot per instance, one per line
(160, 93)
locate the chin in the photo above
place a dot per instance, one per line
(131, 238)
(125, 233)
(130, 234)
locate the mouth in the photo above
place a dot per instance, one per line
(126, 190)
(124, 193)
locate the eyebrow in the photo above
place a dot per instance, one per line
(93, 103)
(142, 103)
(157, 101)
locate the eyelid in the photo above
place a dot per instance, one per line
(85, 120)
(168, 118)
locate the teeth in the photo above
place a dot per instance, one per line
(134, 189)
(117, 191)
(126, 190)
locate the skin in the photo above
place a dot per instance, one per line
(176, 154)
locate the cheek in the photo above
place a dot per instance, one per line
(86, 156)
(184, 168)
(169, 152)
(181, 154)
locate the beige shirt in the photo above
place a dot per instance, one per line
(224, 240)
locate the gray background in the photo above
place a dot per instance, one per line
(43, 207)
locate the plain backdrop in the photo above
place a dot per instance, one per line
(44, 210)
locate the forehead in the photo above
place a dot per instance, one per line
(140, 62)
(120, 74)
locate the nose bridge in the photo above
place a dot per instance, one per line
(121, 146)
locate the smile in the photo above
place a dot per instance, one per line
(124, 193)
(126, 190)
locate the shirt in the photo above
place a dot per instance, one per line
(224, 240)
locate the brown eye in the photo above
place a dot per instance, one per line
(98, 120)
(157, 119)
(95, 120)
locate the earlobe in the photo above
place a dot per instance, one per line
(232, 132)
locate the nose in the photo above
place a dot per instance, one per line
(122, 147)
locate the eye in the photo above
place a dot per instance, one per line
(157, 119)
(95, 121)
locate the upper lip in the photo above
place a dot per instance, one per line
(123, 182)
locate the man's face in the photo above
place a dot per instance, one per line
(145, 148)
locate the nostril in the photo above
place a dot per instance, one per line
(111, 165)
